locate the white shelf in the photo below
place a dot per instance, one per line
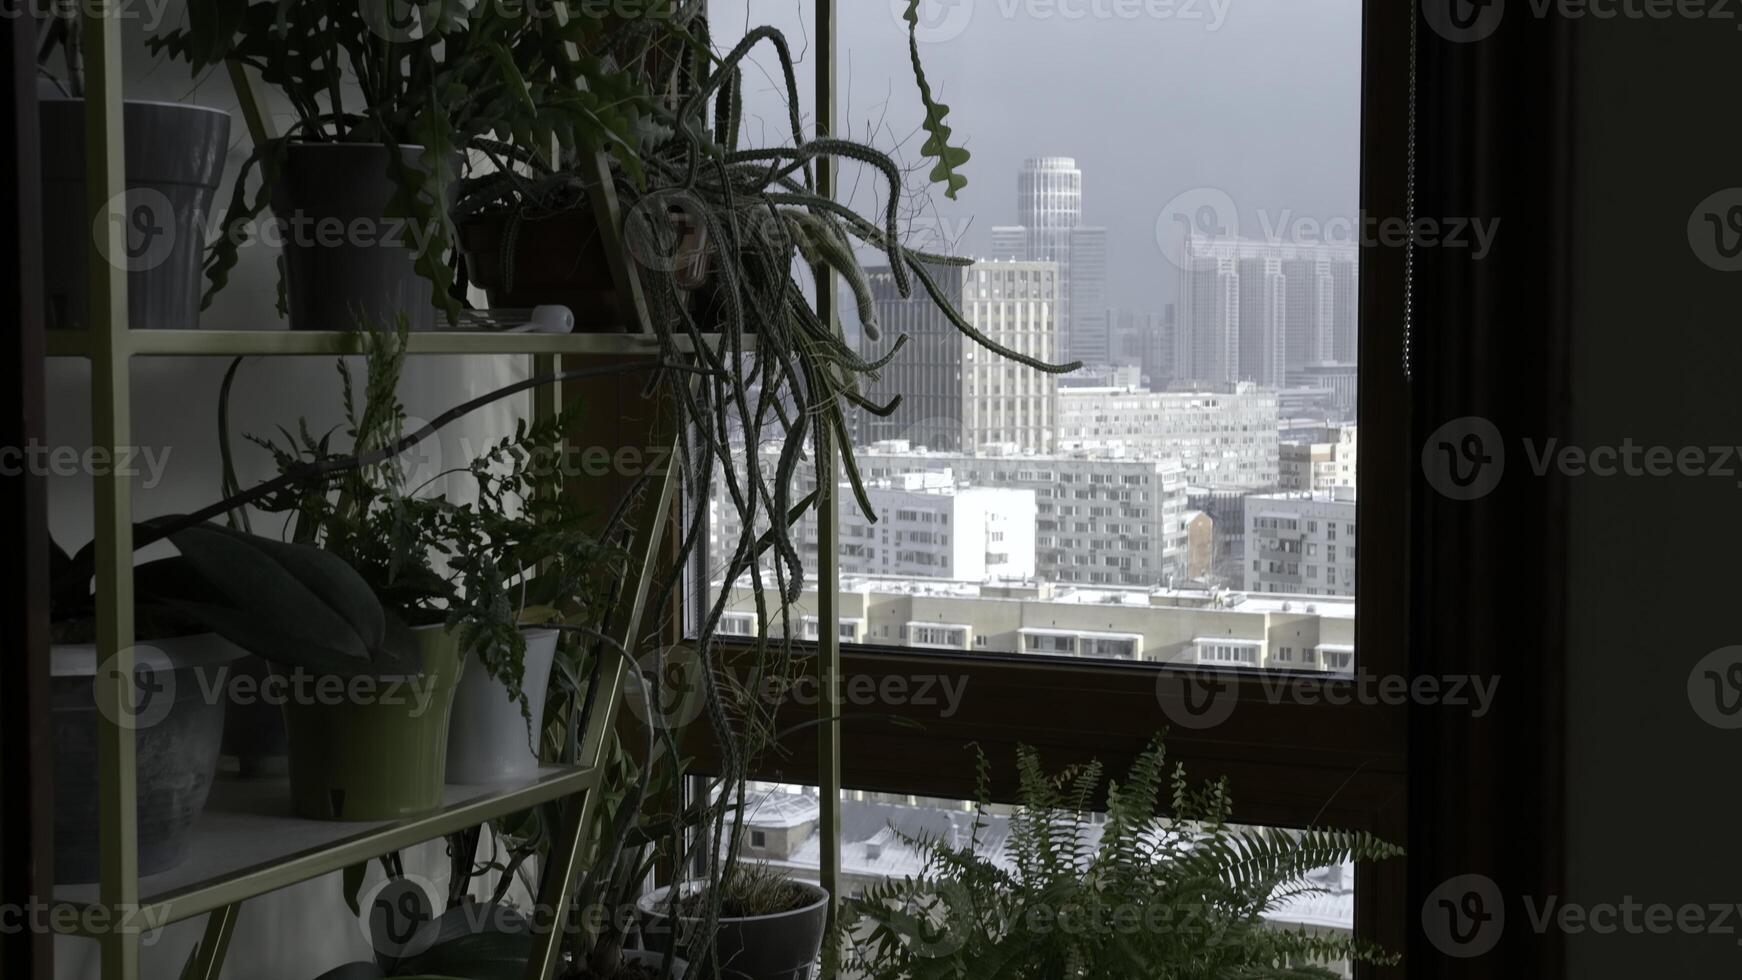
(247, 842)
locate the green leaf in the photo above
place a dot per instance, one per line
(937, 143)
(293, 604)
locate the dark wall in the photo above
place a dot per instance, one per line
(1654, 790)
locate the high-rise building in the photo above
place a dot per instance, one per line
(1262, 329)
(956, 395)
(1049, 207)
(1254, 311)
(1207, 336)
(1086, 333)
(1009, 242)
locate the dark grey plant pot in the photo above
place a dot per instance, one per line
(254, 731)
(174, 159)
(176, 733)
(783, 946)
(344, 264)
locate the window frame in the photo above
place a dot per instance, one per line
(1292, 760)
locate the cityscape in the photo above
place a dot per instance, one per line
(1186, 496)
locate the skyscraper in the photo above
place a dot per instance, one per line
(1049, 207)
(1253, 311)
(957, 396)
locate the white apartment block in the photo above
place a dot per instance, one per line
(1319, 459)
(1222, 439)
(927, 527)
(1210, 628)
(1301, 543)
(956, 394)
(1098, 520)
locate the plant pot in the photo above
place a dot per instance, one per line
(344, 264)
(174, 158)
(558, 258)
(378, 755)
(488, 738)
(553, 259)
(641, 963)
(176, 731)
(782, 946)
(254, 726)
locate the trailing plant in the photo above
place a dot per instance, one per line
(767, 368)
(1138, 894)
(436, 75)
(770, 370)
(60, 29)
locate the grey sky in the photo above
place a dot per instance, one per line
(1257, 98)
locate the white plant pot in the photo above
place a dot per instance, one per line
(488, 740)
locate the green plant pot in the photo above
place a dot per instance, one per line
(376, 755)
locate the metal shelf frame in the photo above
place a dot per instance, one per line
(110, 346)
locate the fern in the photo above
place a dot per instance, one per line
(1141, 894)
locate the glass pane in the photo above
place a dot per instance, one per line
(1167, 193)
(879, 832)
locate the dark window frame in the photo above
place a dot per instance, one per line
(1292, 761)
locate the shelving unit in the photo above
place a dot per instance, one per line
(245, 843)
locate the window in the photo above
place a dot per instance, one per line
(1103, 609)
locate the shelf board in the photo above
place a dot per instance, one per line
(246, 843)
(236, 343)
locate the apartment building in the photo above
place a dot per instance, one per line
(1098, 520)
(1224, 438)
(1317, 459)
(1301, 543)
(954, 393)
(928, 527)
(1182, 627)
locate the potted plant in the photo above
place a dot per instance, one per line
(446, 576)
(767, 371)
(770, 926)
(1062, 897)
(174, 158)
(176, 727)
(522, 546)
(389, 98)
(528, 226)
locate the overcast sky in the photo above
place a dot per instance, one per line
(1258, 99)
